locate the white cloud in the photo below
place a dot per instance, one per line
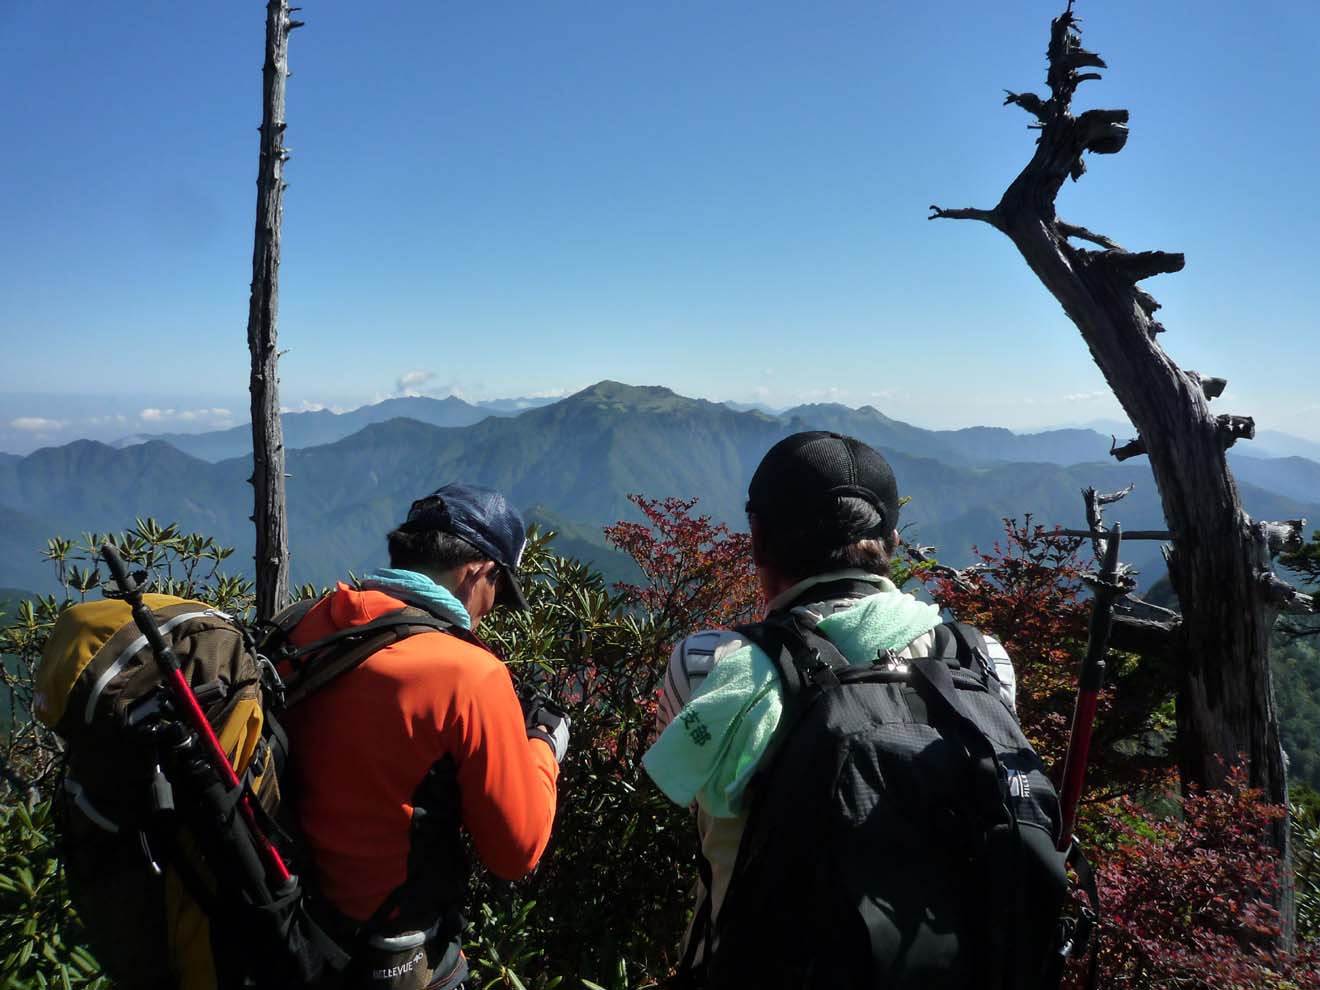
(1102, 393)
(36, 424)
(307, 405)
(211, 417)
(410, 381)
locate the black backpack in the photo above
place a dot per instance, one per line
(902, 833)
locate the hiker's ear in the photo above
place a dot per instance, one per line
(758, 536)
(467, 576)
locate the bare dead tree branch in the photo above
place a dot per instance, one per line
(1139, 608)
(1235, 428)
(1146, 301)
(1148, 637)
(1133, 448)
(1285, 537)
(1211, 388)
(1081, 233)
(1090, 534)
(963, 213)
(269, 508)
(1133, 267)
(1285, 596)
(1221, 647)
(962, 579)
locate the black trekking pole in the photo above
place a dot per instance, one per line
(1107, 588)
(193, 714)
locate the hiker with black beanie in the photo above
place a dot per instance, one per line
(757, 735)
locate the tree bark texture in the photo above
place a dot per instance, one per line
(1219, 560)
(269, 512)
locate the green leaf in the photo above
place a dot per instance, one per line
(83, 960)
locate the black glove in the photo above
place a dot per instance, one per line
(548, 722)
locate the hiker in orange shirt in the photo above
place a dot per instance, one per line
(424, 737)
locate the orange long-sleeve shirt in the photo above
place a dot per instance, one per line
(363, 744)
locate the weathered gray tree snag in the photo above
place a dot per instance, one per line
(1219, 562)
(269, 512)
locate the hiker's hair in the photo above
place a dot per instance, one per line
(801, 548)
(431, 550)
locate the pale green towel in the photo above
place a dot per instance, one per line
(710, 750)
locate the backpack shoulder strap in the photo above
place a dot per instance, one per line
(803, 657)
(288, 617)
(805, 662)
(272, 636)
(958, 645)
(317, 664)
(998, 858)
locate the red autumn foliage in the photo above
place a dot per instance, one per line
(1028, 592)
(1187, 899)
(698, 573)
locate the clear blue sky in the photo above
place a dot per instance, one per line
(729, 199)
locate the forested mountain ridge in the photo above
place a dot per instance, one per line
(320, 426)
(1295, 665)
(1294, 476)
(576, 459)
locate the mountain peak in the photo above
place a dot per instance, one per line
(635, 398)
(612, 391)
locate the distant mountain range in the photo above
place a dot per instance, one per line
(571, 464)
(971, 445)
(1268, 443)
(315, 427)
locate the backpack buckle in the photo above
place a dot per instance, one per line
(887, 659)
(819, 672)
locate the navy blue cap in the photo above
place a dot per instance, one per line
(484, 518)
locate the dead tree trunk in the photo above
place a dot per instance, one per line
(1220, 560)
(269, 515)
